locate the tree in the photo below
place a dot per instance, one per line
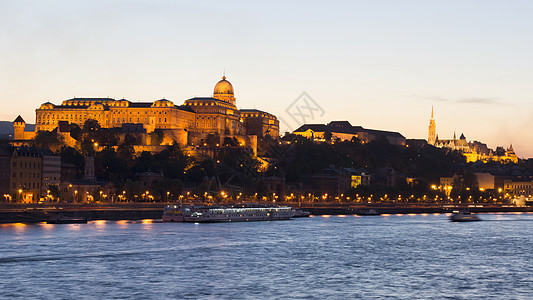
(75, 131)
(130, 140)
(47, 139)
(73, 156)
(230, 142)
(328, 135)
(91, 125)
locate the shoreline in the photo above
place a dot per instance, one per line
(36, 213)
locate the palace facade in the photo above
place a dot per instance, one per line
(188, 123)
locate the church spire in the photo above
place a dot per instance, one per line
(432, 129)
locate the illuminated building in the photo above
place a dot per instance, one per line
(187, 124)
(25, 174)
(343, 130)
(432, 130)
(19, 134)
(471, 150)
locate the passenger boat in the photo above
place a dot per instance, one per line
(237, 213)
(463, 216)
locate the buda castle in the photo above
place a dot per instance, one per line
(186, 124)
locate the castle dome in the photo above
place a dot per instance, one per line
(224, 91)
(223, 87)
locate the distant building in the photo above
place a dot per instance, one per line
(20, 135)
(25, 174)
(343, 130)
(51, 170)
(472, 151)
(432, 130)
(485, 181)
(519, 187)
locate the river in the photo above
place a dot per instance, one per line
(323, 257)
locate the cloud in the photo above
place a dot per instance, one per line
(478, 101)
(481, 101)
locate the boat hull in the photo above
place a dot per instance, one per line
(66, 221)
(174, 213)
(464, 217)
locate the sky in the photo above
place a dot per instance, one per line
(378, 64)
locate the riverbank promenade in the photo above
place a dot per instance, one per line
(33, 213)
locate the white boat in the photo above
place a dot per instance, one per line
(241, 213)
(463, 216)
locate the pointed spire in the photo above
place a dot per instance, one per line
(510, 147)
(19, 119)
(454, 136)
(224, 74)
(432, 111)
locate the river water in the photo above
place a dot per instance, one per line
(322, 257)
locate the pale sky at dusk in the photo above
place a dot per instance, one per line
(378, 64)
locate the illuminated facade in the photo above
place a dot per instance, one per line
(25, 174)
(19, 134)
(432, 129)
(344, 131)
(187, 123)
(471, 150)
(260, 123)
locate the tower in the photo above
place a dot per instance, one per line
(18, 126)
(432, 129)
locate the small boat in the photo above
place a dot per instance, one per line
(299, 213)
(463, 216)
(66, 220)
(368, 212)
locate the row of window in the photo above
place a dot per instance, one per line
(26, 175)
(26, 185)
(27, 165)
(117, 120)
(138, 112)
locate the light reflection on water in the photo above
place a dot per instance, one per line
(393, 256)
